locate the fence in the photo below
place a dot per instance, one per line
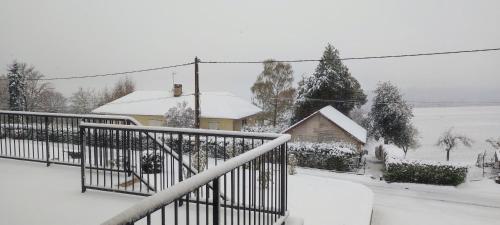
(145, 160)
(194, 176)
(46, 137)
(249, 187)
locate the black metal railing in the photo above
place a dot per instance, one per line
(247, 187)
(46, 137)
(145, 160)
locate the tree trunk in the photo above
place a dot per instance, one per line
(448, 155)
(275, 113)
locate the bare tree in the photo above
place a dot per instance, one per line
(122, 87)
(53, 101)
(273, 91)
(495, 143)
(450, 140)
(35, 89)
(83, 101)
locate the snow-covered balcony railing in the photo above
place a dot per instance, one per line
(47, 137)
(143, 160)
(243, 178)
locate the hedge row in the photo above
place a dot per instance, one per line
(424, 172)
(330, 156)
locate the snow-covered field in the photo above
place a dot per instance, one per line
(477, 122)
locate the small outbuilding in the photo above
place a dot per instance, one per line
(328, 125)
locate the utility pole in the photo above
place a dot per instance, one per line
(196, 95)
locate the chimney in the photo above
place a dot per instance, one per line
(177, 90)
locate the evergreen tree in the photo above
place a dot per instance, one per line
(273, 91)
(17, 87)
(331, 81)
(391, 118)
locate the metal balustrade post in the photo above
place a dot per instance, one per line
(179, 146)
(282, 149)
(47, 140)
(82, 159)
(216, 202)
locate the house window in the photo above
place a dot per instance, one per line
(213, 125)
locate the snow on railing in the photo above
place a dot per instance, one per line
(89, 116)
(257, 158)
(47, 137)
(189, 130)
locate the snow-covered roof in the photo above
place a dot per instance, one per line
(341, 120)
(157, 103)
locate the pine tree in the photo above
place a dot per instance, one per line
(391, 118)
(17, 87)
(331, 81)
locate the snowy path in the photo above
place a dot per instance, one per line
(408, 204)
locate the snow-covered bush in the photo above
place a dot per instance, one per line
(151, 162)
(264, 128)
(180, 116)
(425, 172)
(399, 169)
(292, 164)
(331, 156)
(392, 152)
(39, 133)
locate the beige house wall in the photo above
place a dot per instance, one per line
(221, 124)
(317, 128)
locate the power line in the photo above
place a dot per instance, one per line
(262, 61)
(358, 58)
(112, 74)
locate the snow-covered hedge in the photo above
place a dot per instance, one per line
(392, 152)
(399, 169)
(331, 156)
(425, 172)
(38, 132)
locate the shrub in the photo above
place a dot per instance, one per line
(414, 171)
(151, 162)
(331, 156)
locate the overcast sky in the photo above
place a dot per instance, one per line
(74, 37)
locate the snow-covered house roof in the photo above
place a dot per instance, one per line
(157, 103)
(341, 120)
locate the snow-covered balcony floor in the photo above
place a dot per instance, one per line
(31, 193)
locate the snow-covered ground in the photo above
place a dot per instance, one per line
(477, 122)
(32, 193)
(475, 202)
(416, 204)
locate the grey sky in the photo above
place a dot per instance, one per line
(74, 37)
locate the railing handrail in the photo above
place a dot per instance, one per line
(163, 198)
(207, 132)
(89, 116)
